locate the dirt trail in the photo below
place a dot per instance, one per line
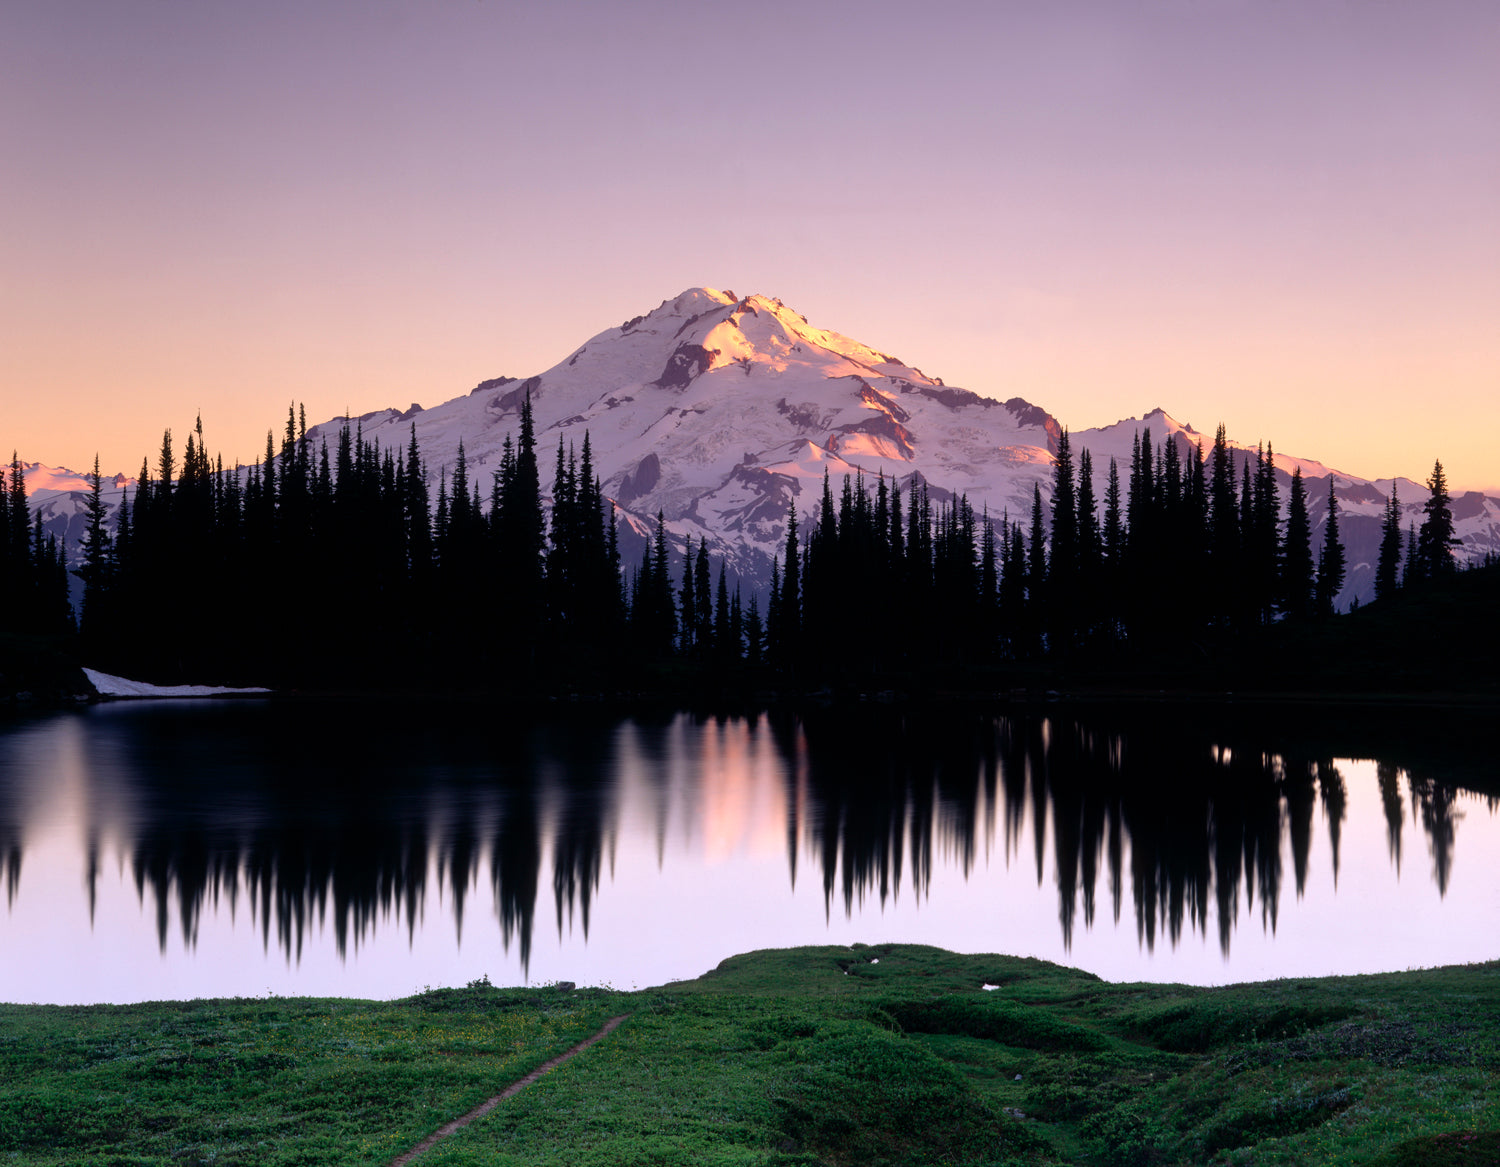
(514, 1088)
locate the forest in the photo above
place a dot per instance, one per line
(335, 569)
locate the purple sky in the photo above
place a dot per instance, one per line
(1282, 216)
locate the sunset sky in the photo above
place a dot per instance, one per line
(1283, 216)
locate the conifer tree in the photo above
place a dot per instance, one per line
(1036, 563)
(687, 602)
(51, 612)
(525, 538)
(1247, 508)
(918, 542)
(1033, 618)
(519, 544)
(773, 613)
(1331, 560)
(98, 561)
(1062, 562)
(1017, 615)
(1144, 559)
(416, 505)
(565, 575)
(896, 543)
(1435, 539)
(1114, 524)
(17, 565)
(989, 587)
(754, 630)
(1389, 561)
(703, 597)
(1296, 558)
(16, 528)
(1265, 551)
(442, 520)
(1195, 510)
(652, 611)
(726, 640)
(1170, 485)
(1090, 544)
(166, 470)
(1090, 547)
(1223, 516)
(789, 607)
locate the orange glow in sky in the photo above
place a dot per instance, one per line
(1281, 217)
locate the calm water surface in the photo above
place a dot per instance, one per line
(197, 849)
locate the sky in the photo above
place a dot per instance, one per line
(1283, 217)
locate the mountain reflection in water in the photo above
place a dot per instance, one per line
(340, 819)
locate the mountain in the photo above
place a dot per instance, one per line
(719, 412)
(57, 493)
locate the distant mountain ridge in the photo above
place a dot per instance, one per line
(719, 412)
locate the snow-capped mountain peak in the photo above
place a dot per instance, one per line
(718, 410)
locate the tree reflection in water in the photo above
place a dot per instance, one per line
(1201, 817)
(344, 816)
(10, 862)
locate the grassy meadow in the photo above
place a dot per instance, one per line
(888, 1054)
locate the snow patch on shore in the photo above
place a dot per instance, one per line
(109, 686)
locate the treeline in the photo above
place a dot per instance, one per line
(333, 567)
(33, 567)
(1185, 556)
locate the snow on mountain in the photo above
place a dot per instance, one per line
(719, 412)
(58, 494)
(1361, 501)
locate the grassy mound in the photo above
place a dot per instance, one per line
(891, 1054)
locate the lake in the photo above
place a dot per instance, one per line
(371, 849)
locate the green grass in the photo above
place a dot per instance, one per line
(277, 1081)
(889, 1054)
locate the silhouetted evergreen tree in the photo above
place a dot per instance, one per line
(50, 612)
(1263, 556)
(1387, 579)
(988, 625)
(520, 545)
(33, 574)
(16, 566)
(1062, 560)
(653, 613)
(785, 646)
(1331, 560)
(727, 633)
(97, 568)
(1036, 557)
(1145, 555)
(1089, 593)
(418, 515)
(1435, 539)
(1112, 567)
(687, 603)
(1296, 558)
(1224, 527)
(703, 600)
